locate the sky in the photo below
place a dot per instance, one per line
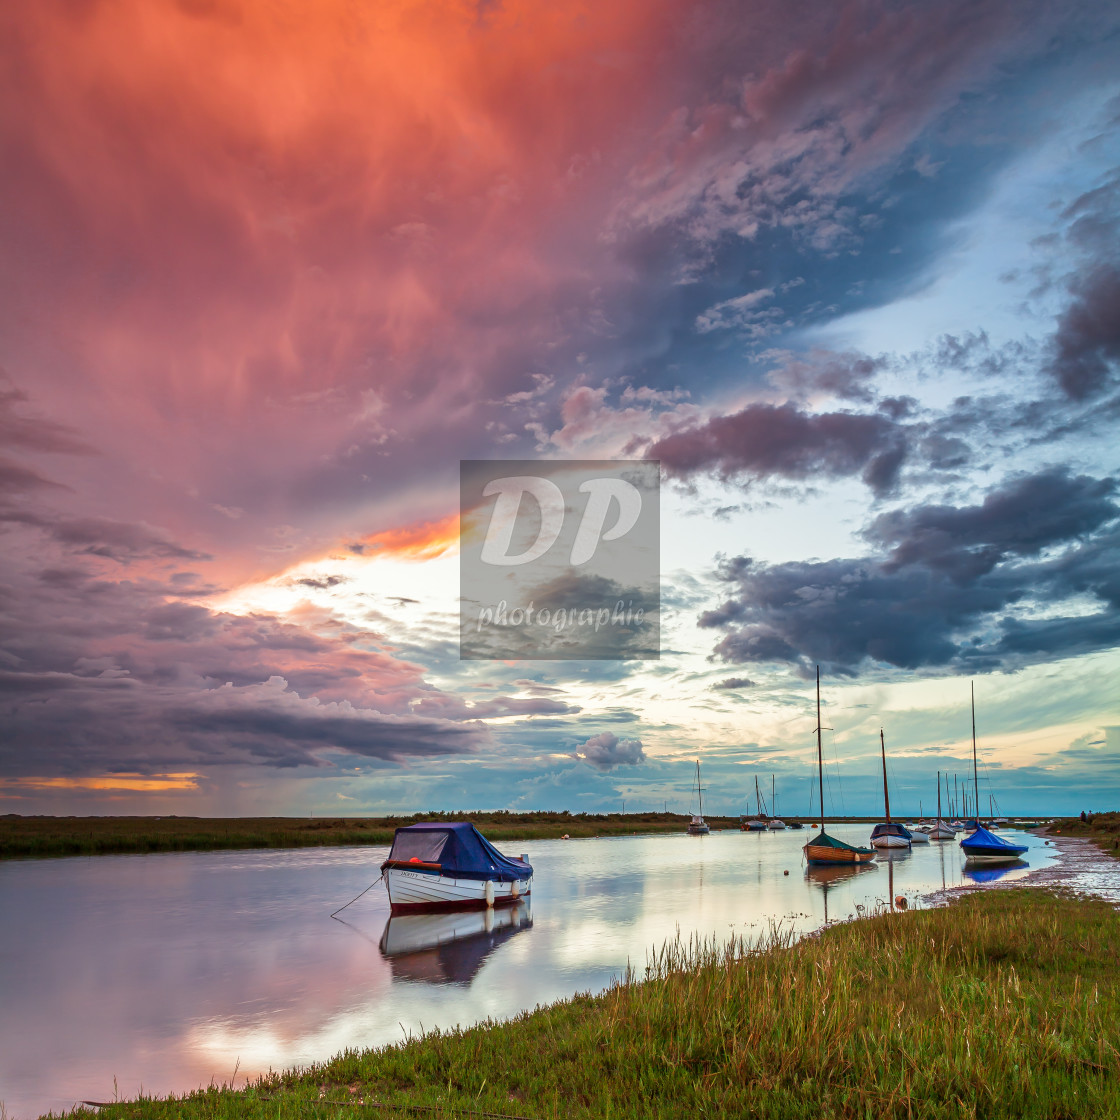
(269, 272)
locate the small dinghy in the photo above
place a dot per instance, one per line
(434, 867)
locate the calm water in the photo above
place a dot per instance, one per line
(165, 971)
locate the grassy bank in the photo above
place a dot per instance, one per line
(69, 836)
(1005, 1004)
(1103, 830)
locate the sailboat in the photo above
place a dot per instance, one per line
(757, 823)
(775, 825)
(940, 830)
(984, 846)
(697, 826)
(889, 834)
(825, 849)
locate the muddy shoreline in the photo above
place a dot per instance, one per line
(1081, 867)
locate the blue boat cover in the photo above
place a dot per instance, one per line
(985, 843)
(461, 851)
(893, 828)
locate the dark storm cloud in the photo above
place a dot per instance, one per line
(120, 540)
(1085, 347)
(764, 440)
(100, 672)
(1087, 339)
(951, 586)
(1020, 519)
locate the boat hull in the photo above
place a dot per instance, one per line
(890, 842)
(988, 858)
(821, 855)
(420, 892)
(698, 830)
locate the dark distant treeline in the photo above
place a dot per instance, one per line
(69, 836)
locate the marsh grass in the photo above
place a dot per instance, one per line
(68, 836)
(1004, 1004)
(1103, 829)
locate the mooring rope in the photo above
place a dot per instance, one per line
(366, 891)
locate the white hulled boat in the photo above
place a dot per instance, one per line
(433, 867)
(698, 826)
(889, 834)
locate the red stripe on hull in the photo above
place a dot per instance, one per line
(451, 907)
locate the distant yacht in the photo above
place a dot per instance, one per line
(698, 826)
(940, 830)
(889, 834)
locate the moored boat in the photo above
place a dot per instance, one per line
(774, 824)
(824, 849)
(434, 866)
(698, 826)
(981, 845)
(888, 834)
(940, 830)
(984, 846)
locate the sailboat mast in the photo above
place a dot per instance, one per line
(886, 795)
(975, 775)
(938, 796)
(820, 753)
(773, 797)
(699, 793)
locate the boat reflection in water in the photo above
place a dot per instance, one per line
(991, 874)
(449, 948)
(829, 875)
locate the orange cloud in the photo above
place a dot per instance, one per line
(421, 541)
(135, 783)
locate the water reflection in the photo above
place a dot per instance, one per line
(448, 948)
(165, 971)
(826, 876)
(991, 874)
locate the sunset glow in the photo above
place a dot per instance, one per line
(270, 272)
